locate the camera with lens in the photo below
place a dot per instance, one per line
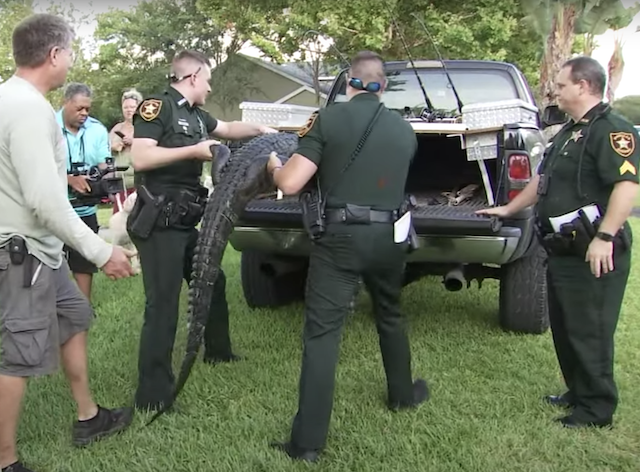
(104, 183)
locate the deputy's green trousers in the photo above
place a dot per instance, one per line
(166, 259)
(337, 261)
(584, 312)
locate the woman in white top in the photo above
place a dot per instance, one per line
(121, 137)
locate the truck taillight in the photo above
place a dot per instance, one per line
(519, 167)
(513, 194)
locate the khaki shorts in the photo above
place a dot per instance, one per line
(35, 321)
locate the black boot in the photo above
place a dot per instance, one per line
(420, 395)
(294, 452)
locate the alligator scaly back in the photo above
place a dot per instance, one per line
(239, 181)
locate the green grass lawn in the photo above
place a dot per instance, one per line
(485, 414)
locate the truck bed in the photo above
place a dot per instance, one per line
(432, 213)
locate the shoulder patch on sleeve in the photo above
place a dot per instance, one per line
(623, 143)
(308, 125)
(627, 167)
(150, 109)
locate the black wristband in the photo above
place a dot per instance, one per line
(604, 236)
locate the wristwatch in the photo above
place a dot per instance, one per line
(604, 236)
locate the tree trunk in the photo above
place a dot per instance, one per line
(557, 51)
(615, 69)
(589, 44)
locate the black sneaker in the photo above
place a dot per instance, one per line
(16, 467)
(105, 423)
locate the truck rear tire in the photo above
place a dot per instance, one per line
(264, 290)
(523, 306)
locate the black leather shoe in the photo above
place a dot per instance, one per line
(420, 395)
(574, 423)
(294, 452)
(558, 400)
(217, 359)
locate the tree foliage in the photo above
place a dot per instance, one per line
(12, 12)
(475, 29)
(629, 107)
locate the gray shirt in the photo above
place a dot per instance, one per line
(33, 180)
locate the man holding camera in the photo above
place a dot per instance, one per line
(87, 144)
(43, 315)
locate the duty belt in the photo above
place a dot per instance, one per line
(342, 215)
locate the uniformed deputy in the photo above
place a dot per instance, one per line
(169, 147)
(370, 189)
(593, 159)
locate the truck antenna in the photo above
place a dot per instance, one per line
(453, 88)
(415, 70)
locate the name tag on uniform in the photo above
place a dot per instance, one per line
(401, 228)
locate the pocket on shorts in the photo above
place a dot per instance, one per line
(25, 341)
(5, 259)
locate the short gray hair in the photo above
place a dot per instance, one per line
(74, 89)
(35, 37)
(591, 71)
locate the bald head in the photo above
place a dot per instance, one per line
(368, 67)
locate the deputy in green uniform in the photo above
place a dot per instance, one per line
(593, 159)
(371, 189)
(169, 147)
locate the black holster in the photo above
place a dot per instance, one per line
(408, 205)
(313, 208)
(185, 209)
(19, 255)
(145, 213)
(574, 238)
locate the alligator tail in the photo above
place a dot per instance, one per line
(244, 176)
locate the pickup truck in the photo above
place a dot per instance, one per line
(472, 157)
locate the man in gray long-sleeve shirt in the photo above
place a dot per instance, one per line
(43, 315)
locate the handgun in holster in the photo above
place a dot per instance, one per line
(312, 207)
(408, 205)
(145, 213)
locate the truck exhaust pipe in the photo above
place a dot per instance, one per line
(454, 280)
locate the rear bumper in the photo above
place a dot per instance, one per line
(508, 244)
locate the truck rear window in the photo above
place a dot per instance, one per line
(472, 85)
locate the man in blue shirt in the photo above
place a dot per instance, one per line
(87, 143)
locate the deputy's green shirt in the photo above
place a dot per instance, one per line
(378, 174)
(609, 147)
(172, 122)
